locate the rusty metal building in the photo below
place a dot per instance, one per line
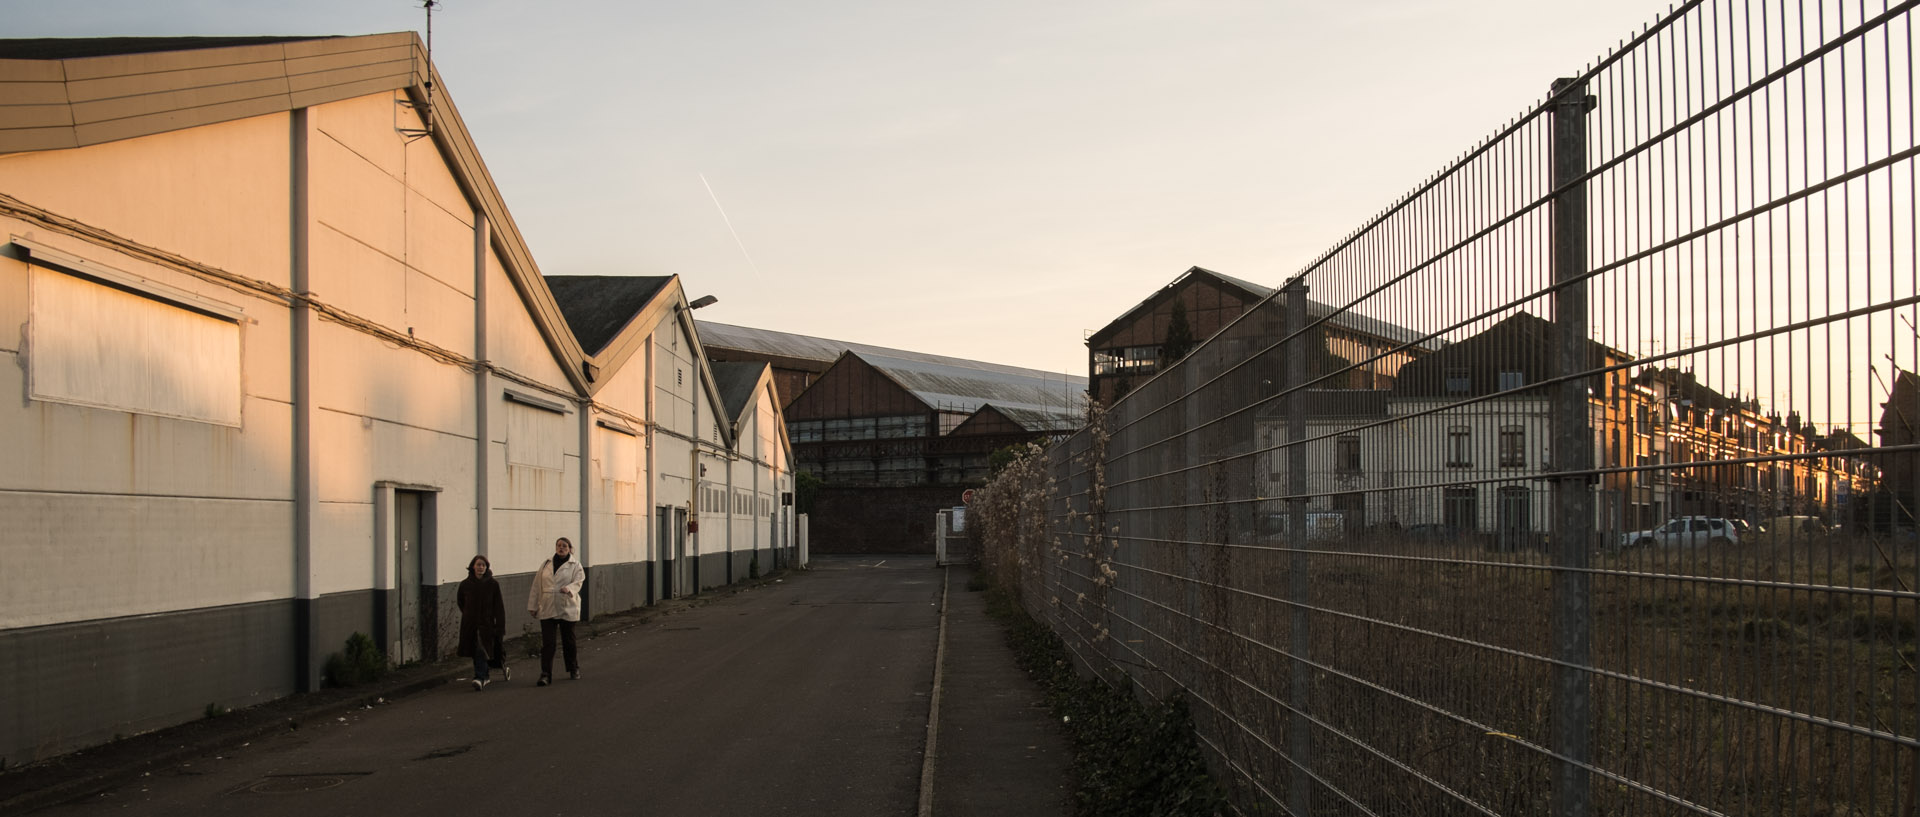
(895, 436)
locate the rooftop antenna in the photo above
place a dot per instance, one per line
(426, 110)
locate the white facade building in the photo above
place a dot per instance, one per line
(282, 364)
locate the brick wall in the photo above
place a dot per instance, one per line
(877, 519)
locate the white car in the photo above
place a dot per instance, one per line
(1686, 531)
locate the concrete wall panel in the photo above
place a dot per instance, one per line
(369, 127)
(362, 375)
(58, 447)
(351, 275)
(216, 194)
(357, 198)
(145, 554)
(515, 341)
(343, 551)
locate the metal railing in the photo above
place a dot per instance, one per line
(1618, 520)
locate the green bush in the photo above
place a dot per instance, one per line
(361, 662)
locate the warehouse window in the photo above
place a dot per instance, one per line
(120, 342)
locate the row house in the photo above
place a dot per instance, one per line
(1463, 443)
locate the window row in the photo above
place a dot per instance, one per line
(861, 428)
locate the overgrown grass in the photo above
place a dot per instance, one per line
(1775, 678)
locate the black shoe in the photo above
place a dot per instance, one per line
(477, 684)
(544, 680)
(506, 674)
(574, 674)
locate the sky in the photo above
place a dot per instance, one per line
(989, 180)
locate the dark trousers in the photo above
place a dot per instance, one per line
(479, 659)
(547, 626)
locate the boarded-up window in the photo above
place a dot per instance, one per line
(108, 347)
(620, 466)
(536, 435)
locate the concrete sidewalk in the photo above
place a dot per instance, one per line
(998, 752)
(993, 749)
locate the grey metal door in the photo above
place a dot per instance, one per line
(682, 569)
(662, 555)
(406, 551)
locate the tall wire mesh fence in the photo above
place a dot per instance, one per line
(1578, 481)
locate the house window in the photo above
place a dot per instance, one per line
(1459, 381)
(1459, 442)
(1347, 454)
(1513, 446)
(1460, 509)
(1510, 380)
(125, 348)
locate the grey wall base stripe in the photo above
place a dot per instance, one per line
(75, 685)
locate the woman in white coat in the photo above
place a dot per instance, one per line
(555, 600)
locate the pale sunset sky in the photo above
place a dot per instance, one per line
(989, 180)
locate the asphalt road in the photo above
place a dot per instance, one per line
(807, 697)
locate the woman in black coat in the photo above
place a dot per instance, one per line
(483, 622)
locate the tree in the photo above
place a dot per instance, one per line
(806, 486)
(1179, 340)
(1004, 456)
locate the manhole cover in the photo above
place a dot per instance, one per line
(296, 783)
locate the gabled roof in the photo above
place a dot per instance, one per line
(1521, 342)
(737, 383)
(73, 93)
(597, 307)
(965, 389)
(1253, 293)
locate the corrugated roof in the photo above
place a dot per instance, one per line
(597, 306)
(965, 389)
(1036, 420)
(825, 350)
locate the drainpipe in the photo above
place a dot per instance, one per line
(482, 388)
(583, 549)
(307, 649)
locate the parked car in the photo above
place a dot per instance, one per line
(1687, 531)
(1789, 529)
(1431, 532)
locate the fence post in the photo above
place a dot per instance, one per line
(1572, 457)
(1300, 728)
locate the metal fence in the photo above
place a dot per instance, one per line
(1579, 481)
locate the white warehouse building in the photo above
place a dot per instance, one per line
(278, 363)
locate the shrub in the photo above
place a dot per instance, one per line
(360, 662)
